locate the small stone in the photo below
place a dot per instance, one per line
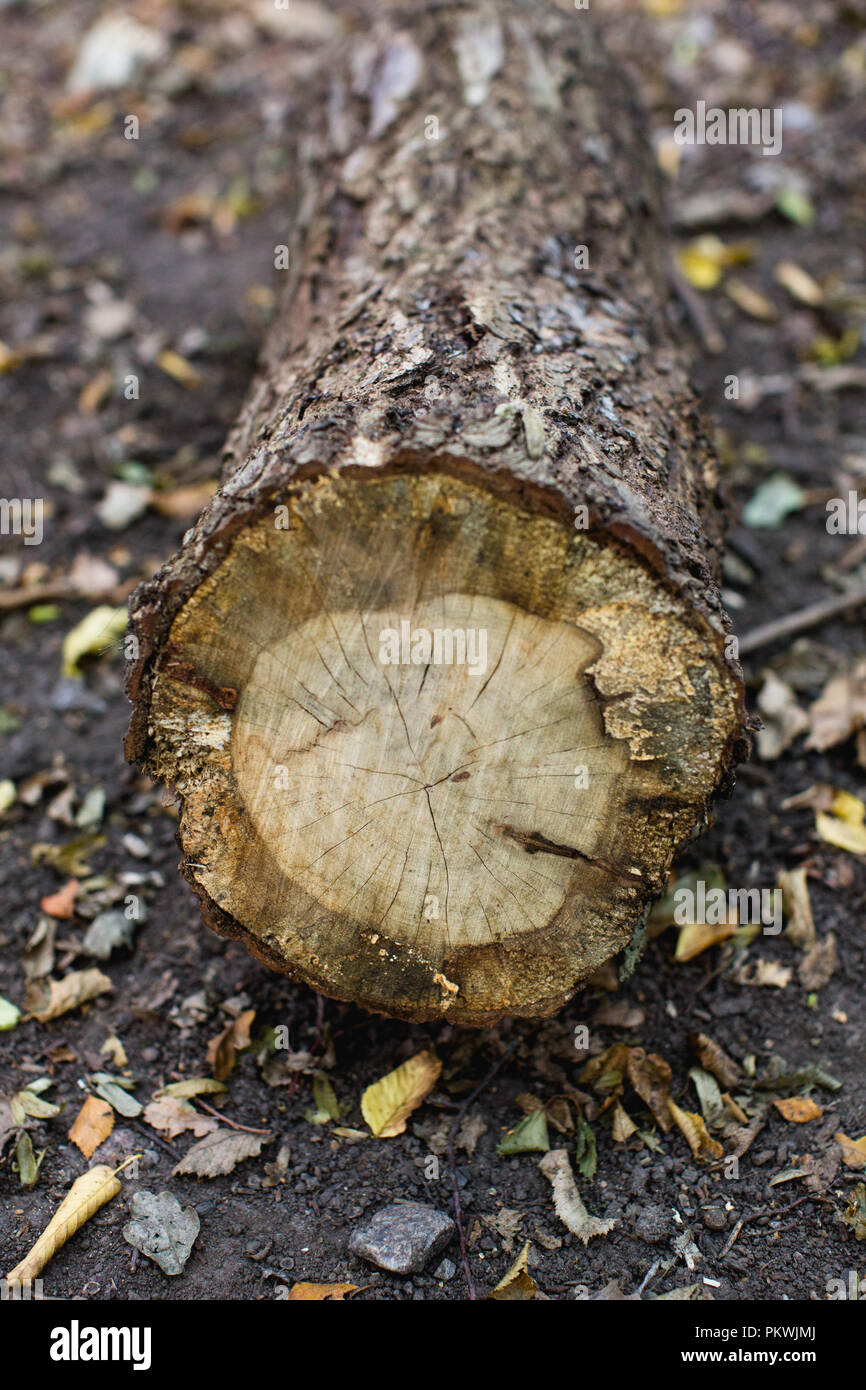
(403, 1237)
(122, 504)
(653, 1225)
(113, 52)
(715, 1218)
(446, 1269)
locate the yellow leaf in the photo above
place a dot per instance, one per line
(93, 635)
(848, 808)
(518, 1284)
(751, 301)
(829, 352)
(387, 1103)
(701, 262)
(623, 1125)
(798, 1110)
(843, 828)
(853, 1150)
(176, 366)
(320, 1293)
(86, 1195)
(798, 283)
(94, 1123)
(95, 391)
(695, 1132)
(695, 937)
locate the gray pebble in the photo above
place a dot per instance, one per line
(403, 1237)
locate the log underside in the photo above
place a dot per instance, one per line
(424, 838)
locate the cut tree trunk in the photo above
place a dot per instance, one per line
(441, 675)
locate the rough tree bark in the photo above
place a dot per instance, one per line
(464, 425)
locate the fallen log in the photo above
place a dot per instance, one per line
(441, 675)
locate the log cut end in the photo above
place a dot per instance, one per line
(435, 745)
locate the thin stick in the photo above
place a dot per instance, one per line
(452, 1162)
(810, 616)
(765, 1211)
(226, 1121)
(31, 594)
(702, 320)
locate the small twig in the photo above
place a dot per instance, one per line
(452, 1162)
(702, 320)
(151, 1135)
(810, 616)
(226, 1121)
(36, 593)
(61, 589)
(765, 1211)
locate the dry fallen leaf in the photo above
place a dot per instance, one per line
(387, 1104)
(518, 1284)
(693, 1128)
(703, 261)
(98, 632)
(650, 1076)
(94, 393)
(623, 1125)
(798, 1110)
(766, 973)
(853, 1150)
(93, 1124)
(840, 710)
(567, 1200)
(321, 1293)
(62, 903)
(222, 1050)
(86, 1195)
(844, 825)
(782, 717)
(184, 503)
(179, 368)
(172, 1117)
(162, 1229)
(800, 930)
(49, 998)
(798, 283)
(713, 1058)
(696, 937)
(819, 964)
(220, 1153)
(751, 301)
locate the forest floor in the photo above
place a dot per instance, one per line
(154, 257)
